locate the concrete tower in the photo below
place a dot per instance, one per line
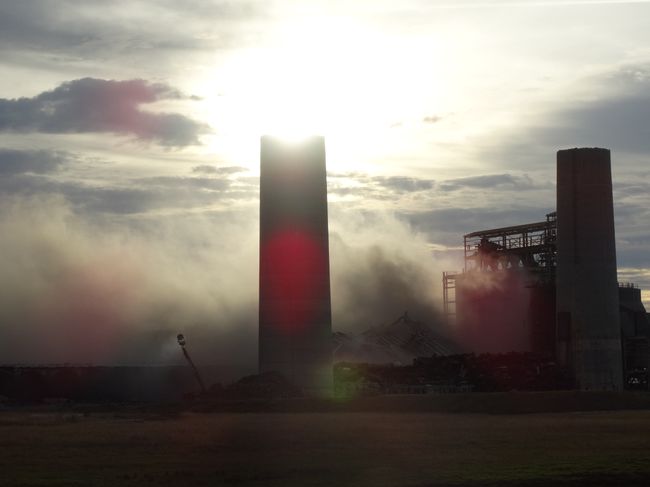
(295, 325)
(588, 321)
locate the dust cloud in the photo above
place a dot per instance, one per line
(101, 289)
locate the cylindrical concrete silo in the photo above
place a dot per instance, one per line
(588, 321)
(295, 330)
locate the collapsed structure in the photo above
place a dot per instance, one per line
(550, 287)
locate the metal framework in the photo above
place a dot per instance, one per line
(449, 295)
(531, 246)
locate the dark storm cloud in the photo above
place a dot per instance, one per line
(31, 161)
(500, 181)
(96, 105)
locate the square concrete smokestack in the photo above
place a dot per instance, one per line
(588, 320)
(295, 325)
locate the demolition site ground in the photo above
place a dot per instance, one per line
(130, 446)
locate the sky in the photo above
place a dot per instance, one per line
(129, 154)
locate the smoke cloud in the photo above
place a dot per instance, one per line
(381, 268)
(77, 288)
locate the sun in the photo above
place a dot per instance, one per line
(302, 85)
(308, 81)
(325, 76)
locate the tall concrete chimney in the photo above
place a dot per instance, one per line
(295, 325)
(588, 320)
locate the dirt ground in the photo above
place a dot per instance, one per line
(324, 449)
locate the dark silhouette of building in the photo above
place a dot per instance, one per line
(588, 322)
(295, 326)
(504, 299)
(550, 287)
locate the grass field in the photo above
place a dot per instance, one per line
(324, 449)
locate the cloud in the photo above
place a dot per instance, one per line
(609, 110)
(31, 161)
(500, 181)
(222, 171)
(432, 119)
(89, 29)
(31, 24)
(75, 288)
(96, 105)
(94, 199)
(401, 184)
(365, 186)
(448, 225)
(617, 118)
(133, 196)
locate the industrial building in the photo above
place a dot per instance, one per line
(550, 287)
(295, 324)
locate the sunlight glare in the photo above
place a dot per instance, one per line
(322, 76)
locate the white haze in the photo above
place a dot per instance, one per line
(79, 288)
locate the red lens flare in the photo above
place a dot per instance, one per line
(294, 278)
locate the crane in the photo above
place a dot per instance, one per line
(181, 341)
